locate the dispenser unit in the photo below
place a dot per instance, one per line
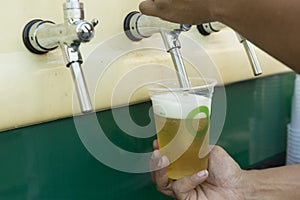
(208, 28)
(42, 36)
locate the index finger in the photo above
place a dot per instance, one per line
(148, 7)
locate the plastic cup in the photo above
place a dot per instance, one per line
(294, 135)
(292, 159)
(293, 130)
(293, 149)
(182, 119)
(295, 114)
(295, 158)
(294, 141)
(293, 153)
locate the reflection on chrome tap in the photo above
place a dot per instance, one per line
(41, 36)
(138, 26)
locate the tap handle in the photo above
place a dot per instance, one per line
(95, 22)
(251, 55)
(85, 30)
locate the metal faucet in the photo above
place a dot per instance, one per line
(138, 26)
(208, 28)
(42, 36)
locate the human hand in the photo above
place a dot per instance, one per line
(222, 182)
(180, 11)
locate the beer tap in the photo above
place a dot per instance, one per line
(42, 36)
(138, 26)
(208, 28)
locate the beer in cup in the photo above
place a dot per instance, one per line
(182, 119)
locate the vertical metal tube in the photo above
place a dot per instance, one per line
(81, 87)
(172, 45)
(252, 58)
(179, 66)
(251, 55)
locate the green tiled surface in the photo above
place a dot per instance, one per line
(49, 162)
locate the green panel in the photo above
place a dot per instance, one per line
(257, 115)
(48, 161)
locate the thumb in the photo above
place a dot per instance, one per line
(183, 186)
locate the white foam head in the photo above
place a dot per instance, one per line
(178, 105)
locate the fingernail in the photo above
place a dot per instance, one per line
(163, 162)
(155, 144)
(155, 154)
(202, 173)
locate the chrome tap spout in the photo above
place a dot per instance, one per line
(208, 28)
(138, 26)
